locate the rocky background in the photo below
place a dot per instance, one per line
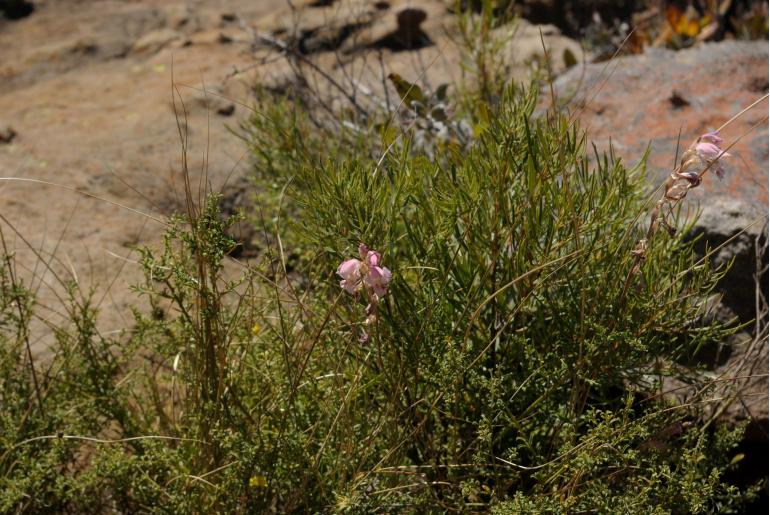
(89, 91)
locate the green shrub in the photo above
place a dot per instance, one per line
(513, 352)
(512, 365)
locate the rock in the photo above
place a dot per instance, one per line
(324, 27)
(748, 362)
(213, 99)
(572, 16)
(218, 36)
(61, 51)
(182, 18)
(153, 41)
(228, 17)
(646, 99)
(58, 39)
(408, 35)
(739, 389)
(678, 100)
(630, 101)
(226, 109)
(206, 37)
(7, 135)
(739, 231)
(400, 26)
(16, 9)
(325, 38)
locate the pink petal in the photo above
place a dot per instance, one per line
(380, 291)
(712, 137)
(373, 276)
(377, 279)
(349, 269)
(386, 275)
(373, 258)
(349, 286)
(707, 151)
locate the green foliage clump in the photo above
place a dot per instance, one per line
(512, 366)
(515, 343)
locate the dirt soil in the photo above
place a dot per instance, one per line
(85, 93)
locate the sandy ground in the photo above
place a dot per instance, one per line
(87, 88)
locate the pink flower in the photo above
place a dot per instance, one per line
(708, 151)
(373, 258)
(377, 279)
(350, 271)
(711, 137)
(367, 272)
